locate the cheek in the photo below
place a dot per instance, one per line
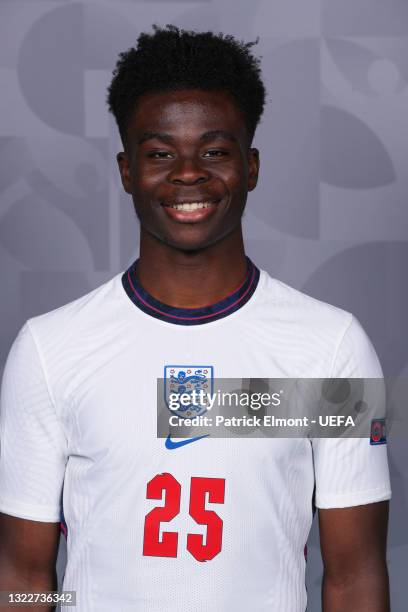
(236, 177)
(143, 173)
(238, 188)
(144, 182)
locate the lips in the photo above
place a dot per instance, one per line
(193, 210)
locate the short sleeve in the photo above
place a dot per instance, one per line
(352, 471)
(32, 443)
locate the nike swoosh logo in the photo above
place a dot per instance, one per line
(171, 444)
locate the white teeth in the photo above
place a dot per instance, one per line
(189, 206)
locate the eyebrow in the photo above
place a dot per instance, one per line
(211, 135)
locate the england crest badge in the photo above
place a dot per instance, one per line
(186, 388)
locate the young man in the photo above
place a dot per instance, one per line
(212, 524)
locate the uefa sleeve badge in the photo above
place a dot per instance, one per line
(377, 433)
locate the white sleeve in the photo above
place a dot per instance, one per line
(32, 443)
(352, 471)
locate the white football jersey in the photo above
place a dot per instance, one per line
(211, 525)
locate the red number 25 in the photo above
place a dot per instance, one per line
(167, 547)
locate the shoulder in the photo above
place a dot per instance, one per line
(320, 325)
(301, 310)
(82, 315)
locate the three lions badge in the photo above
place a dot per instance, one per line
(193, 382)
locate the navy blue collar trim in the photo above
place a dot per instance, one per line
(190, 316)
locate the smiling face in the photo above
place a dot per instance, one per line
(188, 166)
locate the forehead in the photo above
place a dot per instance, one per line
(188, 111)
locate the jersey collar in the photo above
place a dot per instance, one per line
(190, 316)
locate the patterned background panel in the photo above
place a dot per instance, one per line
(329, 215)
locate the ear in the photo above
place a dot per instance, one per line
(123, 163)
(253, 166)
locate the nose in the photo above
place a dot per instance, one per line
(187, 172)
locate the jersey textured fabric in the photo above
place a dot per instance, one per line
(214, 525)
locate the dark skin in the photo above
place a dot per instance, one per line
(353, 545)
(191, 160)
(28, 556)
(204, 153)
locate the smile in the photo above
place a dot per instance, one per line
(191, 212)
(189, 206)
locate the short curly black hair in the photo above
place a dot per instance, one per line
(173, 59)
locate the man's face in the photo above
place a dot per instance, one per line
(188, 166)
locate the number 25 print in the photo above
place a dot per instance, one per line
(167, 547)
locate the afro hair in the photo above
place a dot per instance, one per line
(172, 59)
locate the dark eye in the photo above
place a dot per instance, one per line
(215, 153)
(158, 154)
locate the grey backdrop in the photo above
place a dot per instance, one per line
(328, 217)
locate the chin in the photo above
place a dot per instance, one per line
(189, 246)
(192, 241)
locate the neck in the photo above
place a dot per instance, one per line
(191, 279)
